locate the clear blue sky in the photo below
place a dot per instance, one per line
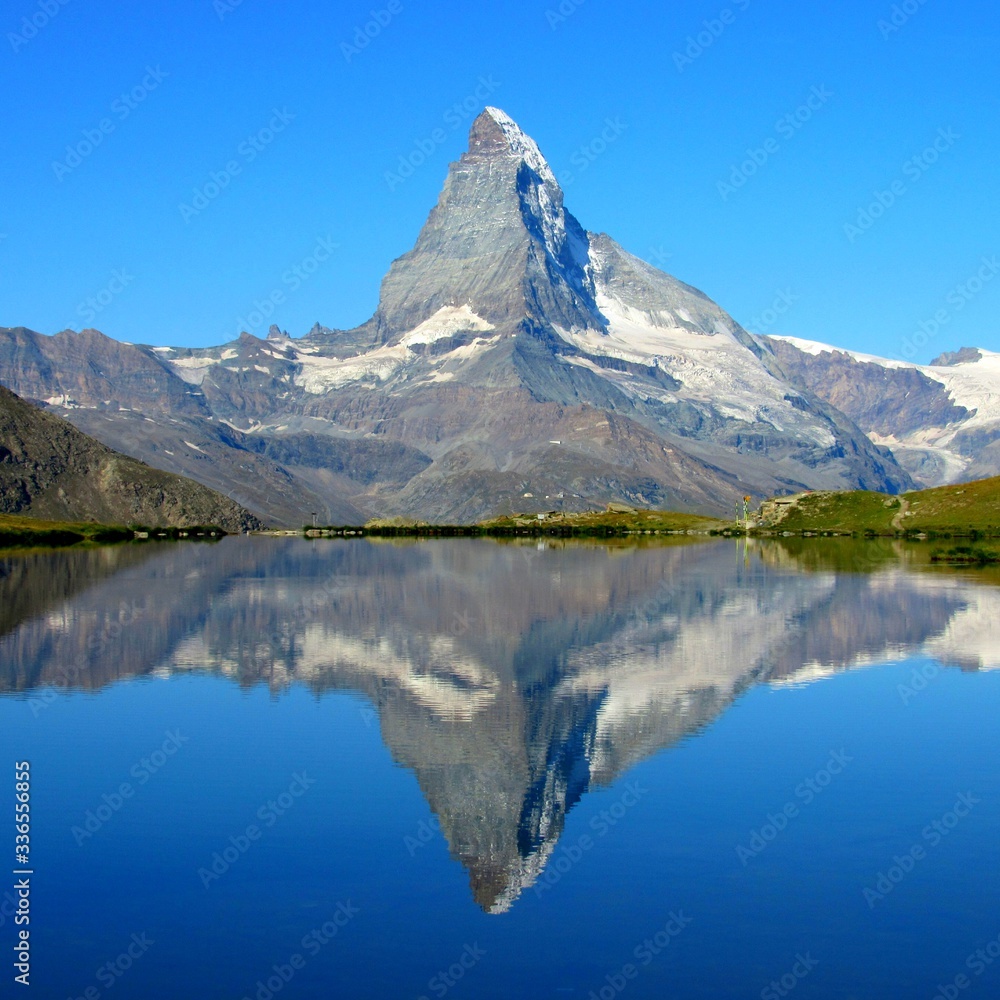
(110, 227)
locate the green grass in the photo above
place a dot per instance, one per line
(967, 509)
(960, 509)
(596, 524)
(858, 511)
(19, 530)
(607, 522)
(967, 555)
(16, 529)
(841, 555)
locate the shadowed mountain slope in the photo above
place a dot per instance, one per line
(49, 469)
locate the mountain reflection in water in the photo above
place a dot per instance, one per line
(510, 678)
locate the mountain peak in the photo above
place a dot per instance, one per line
(495, 132)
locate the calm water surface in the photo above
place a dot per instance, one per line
(280, 768)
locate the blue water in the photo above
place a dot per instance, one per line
(649, 844)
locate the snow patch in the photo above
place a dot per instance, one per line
(320, 375)
(815, 348)
(64, 401)
(191, 370)
(446, 322)
(460, 355)
(468, 351)
(716, 370)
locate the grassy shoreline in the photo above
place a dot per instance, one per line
(598, 524)
(963, 511)
(966, 510)
(18, 531)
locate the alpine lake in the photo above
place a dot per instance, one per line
(290, 768)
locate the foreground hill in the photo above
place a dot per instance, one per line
(958, 509)
(49, 469)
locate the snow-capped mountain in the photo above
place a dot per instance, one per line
(515, 362)
(942, 420)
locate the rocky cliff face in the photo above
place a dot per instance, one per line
(942, 420)
(519, 361)
(499, 244)
(49, 469)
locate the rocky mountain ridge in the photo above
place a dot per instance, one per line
(942, 420)
(515, 361)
